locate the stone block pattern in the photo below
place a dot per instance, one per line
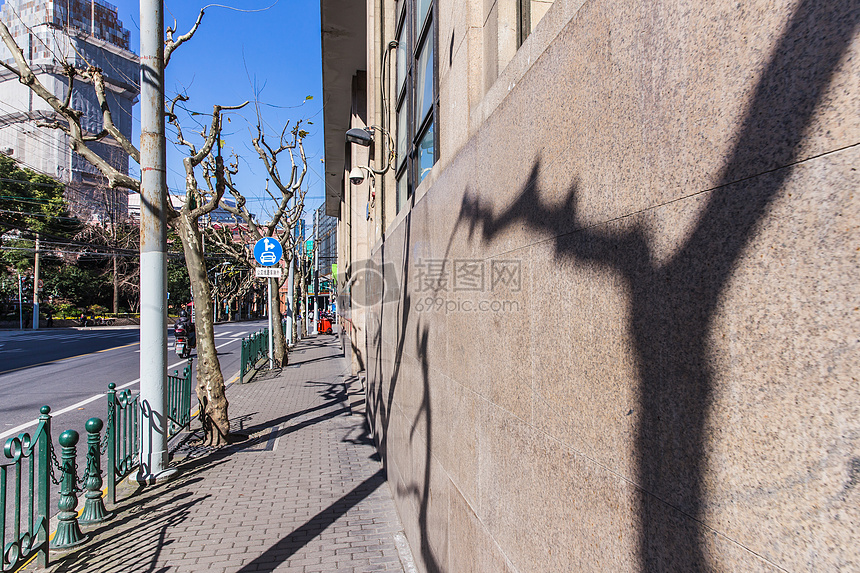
(671, 385)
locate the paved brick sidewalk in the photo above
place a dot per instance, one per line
(304, 493)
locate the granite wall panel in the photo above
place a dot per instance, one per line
(664, 196)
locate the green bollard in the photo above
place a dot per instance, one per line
(94, 507)
(68, 532)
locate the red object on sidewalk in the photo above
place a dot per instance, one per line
(324, 326)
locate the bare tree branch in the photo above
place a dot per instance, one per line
(98, 81)
(170, 44)
(70, 74)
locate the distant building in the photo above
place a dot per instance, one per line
(327, 241)
(218, 216)
(80, 32)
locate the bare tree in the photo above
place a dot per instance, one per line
(284, 217)
(210, 390)
(120, 236)
(199, 202)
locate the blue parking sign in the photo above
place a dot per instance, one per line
(268, 251)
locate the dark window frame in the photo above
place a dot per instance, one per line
(406, 98)
(524, 20)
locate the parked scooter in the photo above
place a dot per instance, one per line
(185, 335)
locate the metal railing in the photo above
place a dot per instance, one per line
(179, 400)
(30, 455)
(29, 465)
(254, 348)
(123, 437)
(123, 427)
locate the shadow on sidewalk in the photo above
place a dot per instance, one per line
(335, 395)
(289, 545)
(292, 364)
(133, 541)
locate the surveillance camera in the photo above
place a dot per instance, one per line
(356, 176)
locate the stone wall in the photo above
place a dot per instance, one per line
(621, 332)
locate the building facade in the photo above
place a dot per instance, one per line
(79, 32)
(600, 261)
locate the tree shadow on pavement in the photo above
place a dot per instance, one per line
(134, 540)
(252, 437)
(279, 553)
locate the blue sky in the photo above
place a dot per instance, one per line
(271, 55)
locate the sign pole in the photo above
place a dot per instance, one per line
(271, 331)
(268, 253)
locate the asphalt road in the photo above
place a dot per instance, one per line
(70, 369)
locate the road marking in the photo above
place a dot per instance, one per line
(22, 427)
(64, 359)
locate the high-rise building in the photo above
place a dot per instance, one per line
(81, 33)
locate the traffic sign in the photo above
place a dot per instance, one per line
(268, 252)
(271, 272)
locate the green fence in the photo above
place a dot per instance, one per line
(26, 480)
(123, 437)
(27, 465)
(253, 349)
(123, 428)
(179, 400)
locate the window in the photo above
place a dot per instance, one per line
(529, 13)
(417, 95)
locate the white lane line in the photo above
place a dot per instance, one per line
(22, 427)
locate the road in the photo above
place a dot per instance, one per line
(69, 370)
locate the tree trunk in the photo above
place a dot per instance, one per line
(211, 392)
(297, 296)
(279, 346)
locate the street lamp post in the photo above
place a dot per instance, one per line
(20, 305)
(36, 288)
(153, 253)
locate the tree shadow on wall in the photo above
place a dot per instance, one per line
(672, 305)
(380, 395)
(422, 493)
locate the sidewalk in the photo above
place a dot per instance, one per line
(304, 493)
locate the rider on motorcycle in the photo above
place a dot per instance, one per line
(186, 323)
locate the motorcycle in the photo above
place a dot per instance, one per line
(185, 341)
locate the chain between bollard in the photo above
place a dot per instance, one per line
(56, 466)
(103, 445)
(94, 509)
